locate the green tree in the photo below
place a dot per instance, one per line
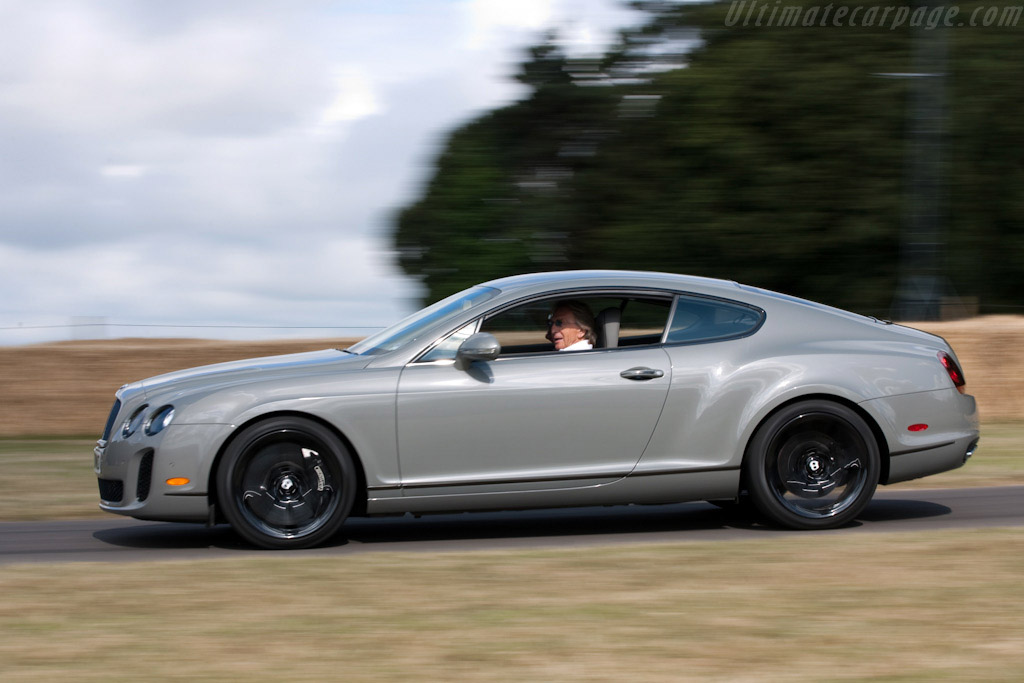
(773, 155)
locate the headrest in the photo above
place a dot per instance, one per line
(608, 328)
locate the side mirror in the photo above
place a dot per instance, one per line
(479, 346)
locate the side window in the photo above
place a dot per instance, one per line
(521, 329)
(698, 320)
(446, 350)
(616, 320)
(643, 321)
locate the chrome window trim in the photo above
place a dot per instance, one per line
(671, 317)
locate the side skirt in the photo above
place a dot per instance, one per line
(676, 487)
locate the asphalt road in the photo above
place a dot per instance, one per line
(114, 539)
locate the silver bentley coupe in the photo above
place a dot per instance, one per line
(547, 390)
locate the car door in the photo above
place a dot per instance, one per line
(529, 421)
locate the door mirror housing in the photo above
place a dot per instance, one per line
(479, 346)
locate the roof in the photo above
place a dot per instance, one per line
(636, 278)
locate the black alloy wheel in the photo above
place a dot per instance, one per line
(812, 465)
(286, 483)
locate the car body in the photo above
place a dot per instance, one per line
(697, 389)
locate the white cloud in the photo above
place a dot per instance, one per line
(122, 170)
(345, 284)
(489, 20)
(235, 162)
(356, 99)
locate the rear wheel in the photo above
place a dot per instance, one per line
(286, 483)
(812, 465)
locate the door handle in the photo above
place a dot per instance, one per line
(642, 373)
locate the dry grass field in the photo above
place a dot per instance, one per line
(934, 606)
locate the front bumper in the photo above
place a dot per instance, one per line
(133, 473)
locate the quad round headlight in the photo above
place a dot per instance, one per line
(132, 424)
(159, 420)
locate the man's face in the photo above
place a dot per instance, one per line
(563, 331)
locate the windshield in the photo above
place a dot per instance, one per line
(412, 328)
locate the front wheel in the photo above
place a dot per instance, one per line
(286, 483)
(812, 465)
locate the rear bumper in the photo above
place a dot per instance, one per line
(948, 441)
(906, 466)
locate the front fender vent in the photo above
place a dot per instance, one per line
(145, 477)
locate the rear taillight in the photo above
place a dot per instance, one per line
(955, 373)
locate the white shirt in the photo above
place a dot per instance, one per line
(581, 345)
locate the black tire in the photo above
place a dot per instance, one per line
(286, 483)
(812, 465)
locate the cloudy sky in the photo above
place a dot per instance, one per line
(230, 168)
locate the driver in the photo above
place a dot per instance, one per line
(571, 326)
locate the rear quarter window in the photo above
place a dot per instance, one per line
(697, 319)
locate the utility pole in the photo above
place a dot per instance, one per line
(922, 283)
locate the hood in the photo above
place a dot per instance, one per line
(220, 375)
